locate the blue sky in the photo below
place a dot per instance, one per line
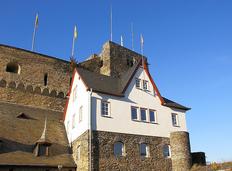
(188, 45)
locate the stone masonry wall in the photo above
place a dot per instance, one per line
(103, 153)
(117, 59)
(30, 99)
(180, 150)
(33, 67)
(82, 141)
(35, 168)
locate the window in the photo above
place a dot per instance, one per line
(45, 79)
(166, 151)
(105, 108)
(145, 85)
(174, 119)
(80, 113)
(137, 82)
(78, 152)
(143, 113)
(144, 152)
(152, 115)
(73, 120)
(118, 149)
(74, 93)
(134, 113)
(13, 68)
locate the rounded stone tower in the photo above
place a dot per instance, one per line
(180, 151)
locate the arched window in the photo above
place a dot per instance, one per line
(119, 149)
(45, 79)
(144, 150)
(166, 151)
(13, 68)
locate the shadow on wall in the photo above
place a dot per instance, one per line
(31, 89)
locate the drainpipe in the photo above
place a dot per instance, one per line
(90, 129)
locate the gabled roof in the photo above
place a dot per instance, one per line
(117, 85)
(19, 136)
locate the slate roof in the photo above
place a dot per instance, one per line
(115, 85)
(107, 84)
(19, 135)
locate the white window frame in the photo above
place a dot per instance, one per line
(141, 114)
(122, 149)
(155, 116)
(146, 88)
(137, 113)
(176, 119)
(147, 150)
(78, 152)
(73, 121)
(103, 113)
(136, 81)
(80, 114)
(169, 151)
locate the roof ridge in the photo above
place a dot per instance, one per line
(36, 53)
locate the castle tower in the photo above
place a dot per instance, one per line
(180, 151)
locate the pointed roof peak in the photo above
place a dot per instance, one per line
(43, 139)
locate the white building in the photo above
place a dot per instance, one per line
(116, 111)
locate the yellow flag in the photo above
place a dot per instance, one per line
(37, 20)
(75, 32)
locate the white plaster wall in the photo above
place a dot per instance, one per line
(82, 99)
(120, 109)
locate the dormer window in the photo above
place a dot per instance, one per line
(130, 62)
(13, 67)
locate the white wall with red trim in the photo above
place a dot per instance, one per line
(79, 96)
(120, 111)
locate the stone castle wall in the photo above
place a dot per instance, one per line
(117, 59)
(103, 152)
(27, 86)
(31, 168)
(33, 67)
(83, 142)
(180, 151)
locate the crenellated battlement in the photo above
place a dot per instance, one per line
(28, 88)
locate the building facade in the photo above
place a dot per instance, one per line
(107, 114)
(116, 118)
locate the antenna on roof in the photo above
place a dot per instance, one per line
(132, 36)
(111, 24)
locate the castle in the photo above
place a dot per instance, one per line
(106, 113)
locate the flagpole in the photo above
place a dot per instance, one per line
(132, 36)
(34, 33)
(141, 39)
(73, 42)
(111, 24)
(121, 40)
